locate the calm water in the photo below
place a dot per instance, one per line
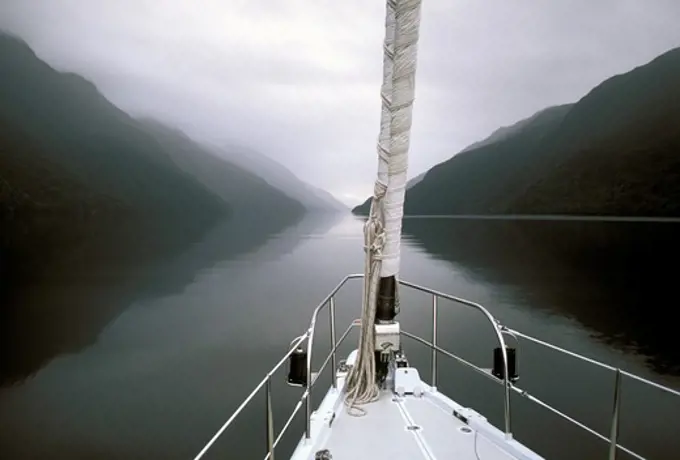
(144, 355)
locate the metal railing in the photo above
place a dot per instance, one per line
(305, 399)
(618, 377)
(499, 331)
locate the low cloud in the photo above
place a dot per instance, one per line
(300, 80)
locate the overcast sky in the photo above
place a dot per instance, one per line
(299, 80)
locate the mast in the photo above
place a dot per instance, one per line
(382, 231)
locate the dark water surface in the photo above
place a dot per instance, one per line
(145, 354)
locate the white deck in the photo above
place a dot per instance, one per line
(383, 433)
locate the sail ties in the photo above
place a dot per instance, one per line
(374, 228)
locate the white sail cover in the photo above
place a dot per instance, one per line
(399, 108)
(382, 232)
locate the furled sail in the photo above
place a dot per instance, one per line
(382, 231)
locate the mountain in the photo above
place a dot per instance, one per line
(245, 191)
(480, 181)
(91, 140)
(499, 134)
(617, 151)
(312, 198)
(71, 163)
(476, 179)
(614, 152)
(504, 132)
(416, 180)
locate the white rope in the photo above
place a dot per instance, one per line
(382, 231)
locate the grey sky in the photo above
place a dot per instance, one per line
(299, 79)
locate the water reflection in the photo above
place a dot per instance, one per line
(81, 292)
(615, 278)
(167, 372)
(176, 358)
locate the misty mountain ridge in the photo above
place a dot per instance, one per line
(89, 139)
(505, 132)
(113, 127)
(614, 152)
(247, 162)
(277, 175)
(246, 193)
(498, 135)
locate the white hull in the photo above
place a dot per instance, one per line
(386, 431)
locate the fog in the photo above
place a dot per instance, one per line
(299, 80)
